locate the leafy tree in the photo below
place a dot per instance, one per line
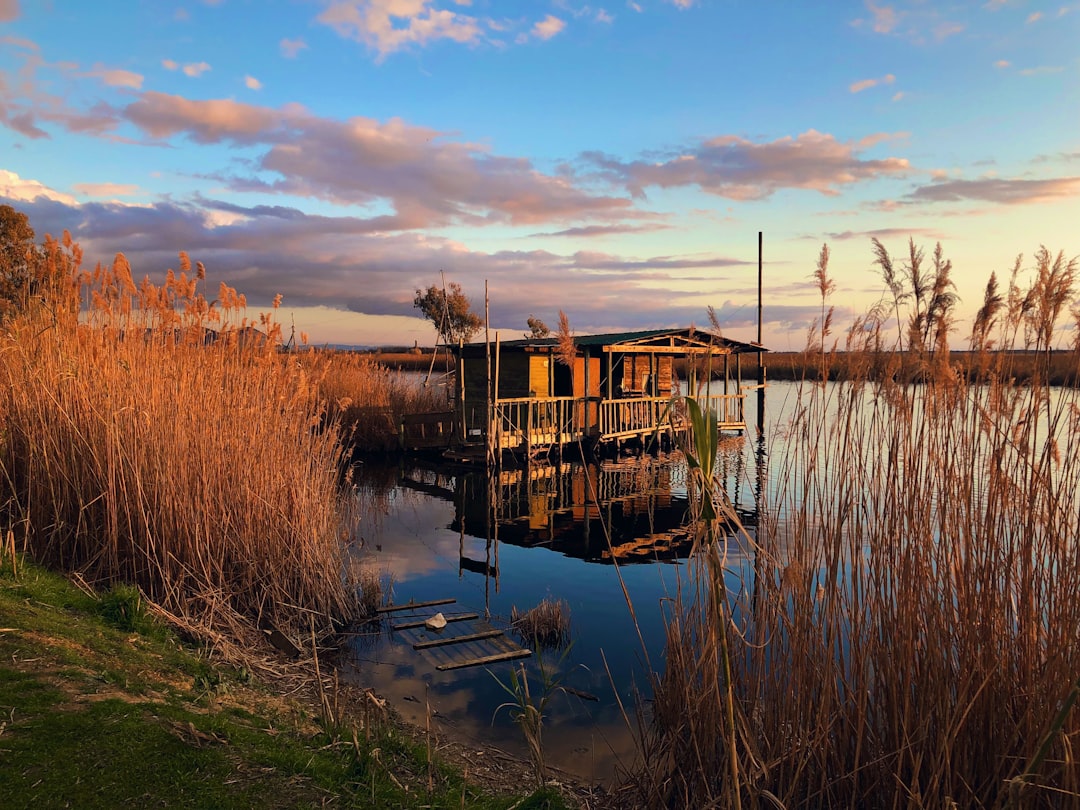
(449, 309)
(20, 261)
(537, 328)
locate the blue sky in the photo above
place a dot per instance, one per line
(613, 160)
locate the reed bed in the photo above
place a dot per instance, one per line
(907, 632)
(159, 439)
(546, 624)
(367, 398)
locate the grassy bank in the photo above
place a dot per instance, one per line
(102, 706)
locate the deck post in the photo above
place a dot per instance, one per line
(495, 402)
(487, 391)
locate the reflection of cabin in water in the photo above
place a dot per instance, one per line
(518, 395)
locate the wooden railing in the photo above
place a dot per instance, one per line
(540, 422)
(532, 421)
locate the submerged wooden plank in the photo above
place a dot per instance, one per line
(458, 617)
(485, 659)
(442, 642)
(411, 605)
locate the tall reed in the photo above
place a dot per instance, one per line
(906, 631)
(367, 399)
(138, 445)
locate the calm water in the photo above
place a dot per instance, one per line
(437, 530)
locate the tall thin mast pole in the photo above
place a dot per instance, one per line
(760, 354)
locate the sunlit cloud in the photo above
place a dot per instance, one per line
(290, 48)
(740, 169)
(105, 189)
(998, 190)
(387, 26)
(17, 189)
(603, 16)
(429, 179)
(866, 84)
(944, 30)
(1034, 17)
(114, 77)
(1002, 64)
(191, 69)
(9, 10)
(548, 27)
(251, 83)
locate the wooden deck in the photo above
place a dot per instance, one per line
(466, 641)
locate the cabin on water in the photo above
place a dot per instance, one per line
(522, 395)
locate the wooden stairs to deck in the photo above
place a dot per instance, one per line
(466, 641)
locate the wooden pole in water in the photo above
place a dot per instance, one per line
(495, 402)
(760, 354)
(487, 354)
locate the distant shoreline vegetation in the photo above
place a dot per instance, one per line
(794, 366)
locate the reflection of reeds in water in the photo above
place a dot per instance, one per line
(135, 449)
(908, 633)
(546, 624)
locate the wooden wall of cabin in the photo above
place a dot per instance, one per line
(594, 392)
(636, 372)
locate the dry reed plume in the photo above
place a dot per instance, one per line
(906, 631)
(137, 448)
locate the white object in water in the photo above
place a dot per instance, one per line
(436, 622)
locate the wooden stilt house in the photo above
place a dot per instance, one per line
(519, 395)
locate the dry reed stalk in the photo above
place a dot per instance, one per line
(136, 450)
(906, 632)
(546, 624)
(367, 399)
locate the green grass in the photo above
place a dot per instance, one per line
(93, 715)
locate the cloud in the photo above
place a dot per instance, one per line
(9, 10)
(866, 84)
(251, 83)
(114, 77)
(1001, 64)
(899, 95)
(603, 17)
(192, 69)
(634, 6)
(341, 262)
(105, 189)
(605, 230)
(739, 169)
(387, 26)
(429, 179)
(16, 189)
(1034, 17)
(290, 48)
(944, 30)
(683, 4)
(548, 27)
(1041, 70)
(882, 233)
(884, 18)
(997, 190)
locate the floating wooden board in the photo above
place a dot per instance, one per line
(454, 617)
(412, 605)
(510, 655)
(442, 642)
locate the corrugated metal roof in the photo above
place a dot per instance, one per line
(615, 338)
